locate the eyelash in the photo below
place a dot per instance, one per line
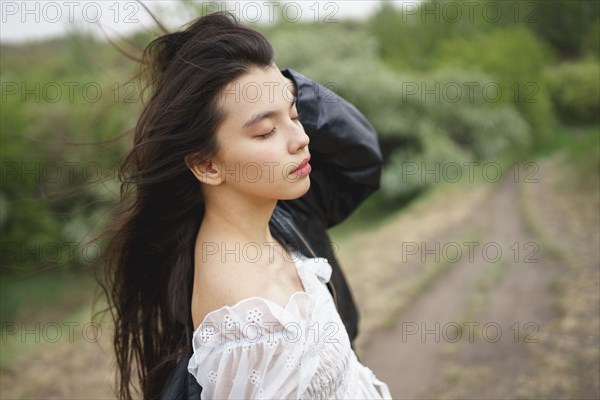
(268, 135)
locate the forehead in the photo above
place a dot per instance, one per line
(259, 90)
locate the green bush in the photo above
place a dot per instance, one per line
(591, 44)
(494, 132)
(564, 24)
(411, 171)
(472, 116)
(437, 117)
(575, 90)
(347, 63)
(514, 57)
(464, 134)
(409, 34)
(52, 152)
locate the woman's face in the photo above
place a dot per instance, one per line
(261, 141)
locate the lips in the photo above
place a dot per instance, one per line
(302, 168)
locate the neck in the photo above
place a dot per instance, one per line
(234, 217)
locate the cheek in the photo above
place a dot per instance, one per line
(251, 165)
(264, 157)
(238, 158)
(268, 174)
(259, 164)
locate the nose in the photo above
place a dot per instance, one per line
(300, 139)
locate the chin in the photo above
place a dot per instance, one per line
(299, 189)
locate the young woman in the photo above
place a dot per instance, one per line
(221, 263)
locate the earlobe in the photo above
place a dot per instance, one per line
(206, 172)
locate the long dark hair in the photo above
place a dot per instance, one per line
(149, 278)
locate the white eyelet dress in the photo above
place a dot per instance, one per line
(257, 349)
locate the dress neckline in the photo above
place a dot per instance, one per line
(297, 259)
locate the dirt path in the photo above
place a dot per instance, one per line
(471, 326)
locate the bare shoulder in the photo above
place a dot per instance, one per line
(218, 284)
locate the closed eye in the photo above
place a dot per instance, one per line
(268, 134)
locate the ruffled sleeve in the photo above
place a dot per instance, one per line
(252, 350)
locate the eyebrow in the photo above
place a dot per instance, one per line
(265, 114)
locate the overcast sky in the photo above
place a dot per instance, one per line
(31, 20)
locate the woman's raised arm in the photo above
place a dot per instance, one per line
(345, 153)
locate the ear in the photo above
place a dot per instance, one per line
(205, 171)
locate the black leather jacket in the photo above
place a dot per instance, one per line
(346, 161)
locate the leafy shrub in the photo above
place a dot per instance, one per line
(564, 24)
(467, 134)
(411, 172)
(472, 116)
(591, 44)
(409, 34)
(51, 195)
(494, 131)
(575, 90)
(514, 57)
(347, 63)
(436, 117)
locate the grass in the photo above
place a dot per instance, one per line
(38, 303)
(578, 140)
(584, 155)
(564, 136)
(369, 215)
(534, 227)
(30, 296)
(580, 149)
(568, 364)
(479, 299)
(376, 210)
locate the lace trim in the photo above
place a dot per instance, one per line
(319, 265)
